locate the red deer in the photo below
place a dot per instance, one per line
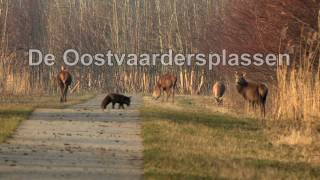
(166, 83)
(64, 81)
(254, 93)
(218, 91)
(115, 98)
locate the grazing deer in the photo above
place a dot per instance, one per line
(166, 83)
(254, 93)
(218, 91)
(64, 81)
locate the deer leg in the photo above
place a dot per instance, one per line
(264, 109)
(173, 94)
(250, 106)
(65, 93)
(217, 100)
(262, 113)
(61, 97)
(254, 107)
(163, 91)
(168, 94)
(67, 89)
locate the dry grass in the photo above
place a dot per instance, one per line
(192, 140)
(295, 138)
(297, 98)
(15, 109)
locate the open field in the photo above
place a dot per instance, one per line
(192, 140)
(13, 110)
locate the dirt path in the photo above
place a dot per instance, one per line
(80, 142)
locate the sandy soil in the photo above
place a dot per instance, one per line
(80, 142)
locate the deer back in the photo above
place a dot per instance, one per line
(218, 89)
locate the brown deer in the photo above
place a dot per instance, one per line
(254, 93)
(218, 91)
(64, 81)
(166, 83)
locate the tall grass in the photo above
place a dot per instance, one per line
(297, 98)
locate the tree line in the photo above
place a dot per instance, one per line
(144, 26)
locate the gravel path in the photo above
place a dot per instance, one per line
(80, 142)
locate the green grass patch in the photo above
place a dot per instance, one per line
(10, 117)
(13, 110)
(188, 141)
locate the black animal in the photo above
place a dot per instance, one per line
(114, 99)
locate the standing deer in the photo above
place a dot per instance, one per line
(218, 91)
(64, 81)
(254, 93)
(166, 83)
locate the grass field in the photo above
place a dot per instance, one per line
(190, 140)
(13, 110)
